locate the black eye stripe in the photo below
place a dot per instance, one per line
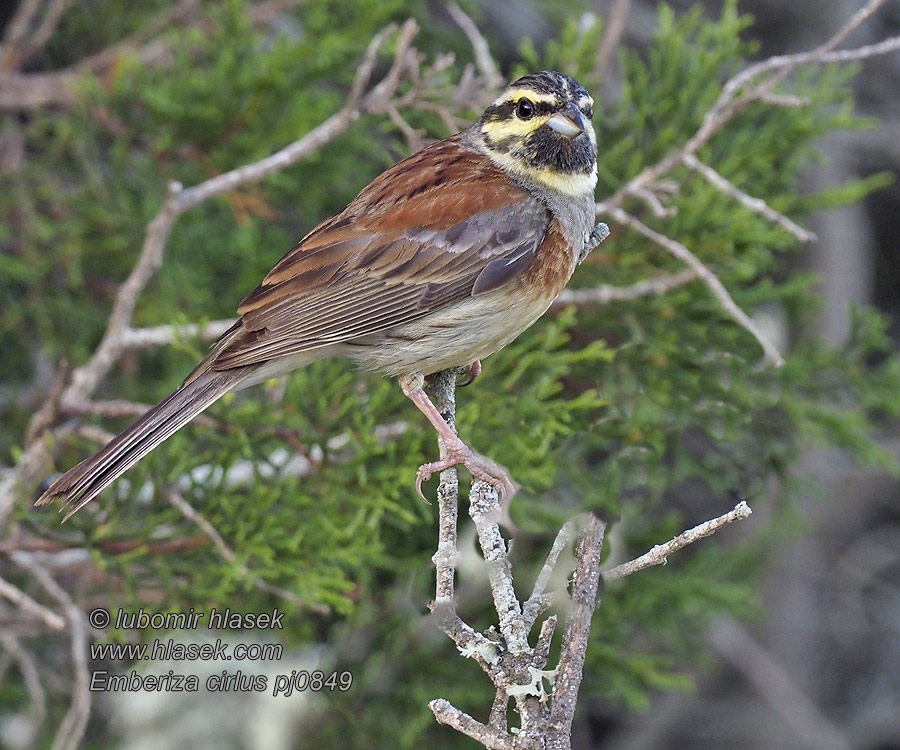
(505, 111)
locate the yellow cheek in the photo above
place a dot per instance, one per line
(516, 128)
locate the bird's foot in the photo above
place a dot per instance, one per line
(469, 375)
(459, 454)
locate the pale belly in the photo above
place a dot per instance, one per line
(452, 337)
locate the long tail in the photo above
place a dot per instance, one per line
(78, 486)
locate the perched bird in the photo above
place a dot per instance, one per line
(440, 261)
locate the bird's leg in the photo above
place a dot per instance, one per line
(470, 374)
(454, 451)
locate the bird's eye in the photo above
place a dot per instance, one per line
(524, 109)
(588, 112)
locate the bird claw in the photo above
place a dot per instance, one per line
(469, 375)
(479, 467)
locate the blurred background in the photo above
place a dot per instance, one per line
(781, 633)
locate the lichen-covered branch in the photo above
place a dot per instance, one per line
(585, 585)
(660, 553)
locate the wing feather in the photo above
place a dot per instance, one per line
(445, 232)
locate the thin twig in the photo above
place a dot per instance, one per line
(727, 106)
(532, 607)
(32, 679)
(585, 585)
(612, 35)
(772, 355)
(660, 553)
(606, 294)
(72, 727)
(442, 391)
(483, 59)
(46, 27)
(21, 21)
(30, 606)
(485, 511)
(489, 737)
(194, 516)
(165, 335)
(756, 205)
(768, 676)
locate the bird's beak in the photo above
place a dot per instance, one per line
(569, 122)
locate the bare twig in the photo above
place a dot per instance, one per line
(606, 294)
(442, 391)
(484, 509)
(46, 27)
(489, 737)
(482, 51)
(727, 105)
(165, 335)
(660, 553)
(227, 554)
(532, 607)
(612, 34)
(32, 679)
(772, 356)
(19, 24)
(756, 205)
(650, 198)
(578, 625)
(774, 684)
(71, 728)
(30, 607)
(122, 409)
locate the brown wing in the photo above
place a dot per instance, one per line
(440, 226)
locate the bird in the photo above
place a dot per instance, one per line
(441, 260)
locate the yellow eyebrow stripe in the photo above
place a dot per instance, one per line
(519, 93)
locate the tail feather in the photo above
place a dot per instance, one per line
(78, 486)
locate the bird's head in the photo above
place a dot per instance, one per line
(539, 129)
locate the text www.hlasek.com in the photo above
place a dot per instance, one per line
(170, 650)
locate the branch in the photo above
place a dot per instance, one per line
(227, 554)
(445, 713)
(535, 604)
(606, 294)
(32, 679)
(772, 356)
(442, 390)
(25, 91)
(18, 26)
(45, 29)
(482, 51)
(727, 105)
(612, 34)
(165, 335)
(72, 727)
(30, 607)
(756, 205)
(660, 553)
(578, 627)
